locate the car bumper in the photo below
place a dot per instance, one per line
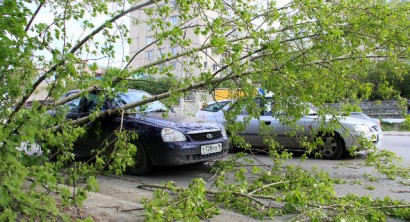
(181, 153)
(353, 141)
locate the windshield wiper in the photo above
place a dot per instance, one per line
(156, 110)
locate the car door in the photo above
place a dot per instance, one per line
(99, 133)
(253, 133)
(286, 135)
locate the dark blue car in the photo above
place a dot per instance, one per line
(174, 140)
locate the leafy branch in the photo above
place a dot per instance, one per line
(78, 46)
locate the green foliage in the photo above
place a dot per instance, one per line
(265, 193)
(123, 154)
(403, 126)
(278, 185)
(406, 124)
(370, 178)
(389, 79)
(316, 51)
(387, 162)
(189, 204)
(152, 85)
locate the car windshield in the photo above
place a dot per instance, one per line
(359, 115)
(132, 97)
(312, 110)
(215, 107)
(309, 109)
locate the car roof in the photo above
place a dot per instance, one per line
(128, 90)
(223, 100)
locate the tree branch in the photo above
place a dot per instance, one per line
(210, 192)
(117, 79)
(267, 185)
(86, 119)
(72, 51)
(34, 15)
(20, 202)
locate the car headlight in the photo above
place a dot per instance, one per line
(223, 132)
(171, 135)
(362, 129)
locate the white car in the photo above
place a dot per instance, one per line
(361, 115)
(336, 144)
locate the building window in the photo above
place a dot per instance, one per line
(150, 40)
(205, 65)
(190, 96)
(174, 20)
(174, 65)
(173, 4)
(149, 27)
(150, 54)
(215, 67)
(161, 51)
(174, 50)
(160, 67)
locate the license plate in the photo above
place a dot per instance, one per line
(211, 148)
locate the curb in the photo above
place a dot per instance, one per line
(396, 133)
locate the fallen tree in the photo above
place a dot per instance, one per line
(313, 50)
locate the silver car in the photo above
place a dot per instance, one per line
(361, 115)
(343, 139)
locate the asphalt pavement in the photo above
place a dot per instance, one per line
(121, 200)
(396, 133)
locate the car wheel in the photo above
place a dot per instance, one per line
(332, 147)
(233, 149)
(143, 164)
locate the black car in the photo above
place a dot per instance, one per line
(175, 140)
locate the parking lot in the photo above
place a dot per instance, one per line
(119, 196)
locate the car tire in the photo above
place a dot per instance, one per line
(332, 148)
(234, 149)
(143, 165)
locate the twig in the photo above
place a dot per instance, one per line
(267, 185)
(392, 207)
(402, 191)
(122, 120)
(116, 207)
(134, 209)
(78, 211)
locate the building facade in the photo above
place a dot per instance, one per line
(145, 49)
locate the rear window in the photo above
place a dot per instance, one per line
(215, 107)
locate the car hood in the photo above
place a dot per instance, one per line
(347, 120)
(181, 122)
(355, 121)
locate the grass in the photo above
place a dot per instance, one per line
(386, 126)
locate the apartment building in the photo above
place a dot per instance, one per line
(146, 50)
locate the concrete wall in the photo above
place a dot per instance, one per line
(194, 102)
(383, 109)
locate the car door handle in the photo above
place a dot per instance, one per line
(267, 123)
